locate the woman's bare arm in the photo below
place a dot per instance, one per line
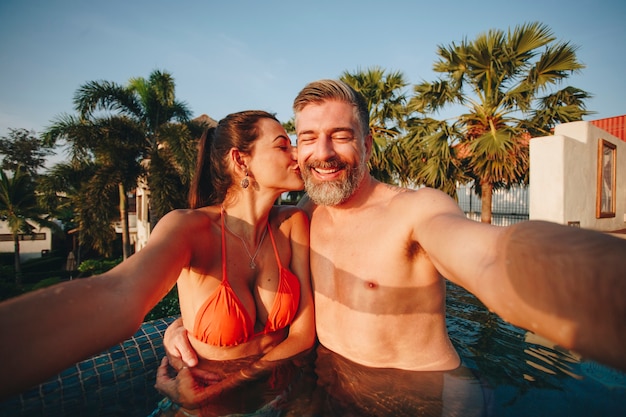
(50, 329)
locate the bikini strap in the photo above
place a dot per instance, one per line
(224, 276)
(274, 245)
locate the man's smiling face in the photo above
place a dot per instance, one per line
(331, 151)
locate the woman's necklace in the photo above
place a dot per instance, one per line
(243, 242)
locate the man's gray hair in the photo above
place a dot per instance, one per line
(322, 90)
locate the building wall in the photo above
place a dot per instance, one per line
(563, 177)
(29, 249)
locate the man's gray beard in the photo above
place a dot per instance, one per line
(331, 193)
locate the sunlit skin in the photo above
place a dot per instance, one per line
(332, 161)
(379, 256)
(275, 170)
(372, 281)
(84, 317)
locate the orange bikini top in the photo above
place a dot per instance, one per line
(223, 320)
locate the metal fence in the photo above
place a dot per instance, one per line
(507, 206)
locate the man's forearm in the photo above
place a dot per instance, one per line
(568, 285)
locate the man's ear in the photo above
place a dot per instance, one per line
(369, 143)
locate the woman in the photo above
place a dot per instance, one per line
(241, 264)
(248, 305)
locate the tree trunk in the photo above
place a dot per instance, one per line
(76, 247)
(486, 191)
(126, 251)
(17, 263)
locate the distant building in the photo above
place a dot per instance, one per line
(616, 126)
(31, 245)
(576, 175)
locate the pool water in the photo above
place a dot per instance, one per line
(530, 376)
(509, 372)
(118, 382)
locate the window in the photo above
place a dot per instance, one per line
(605, 195)
(139, 208)
(7, 237)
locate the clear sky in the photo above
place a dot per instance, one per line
(233, 55)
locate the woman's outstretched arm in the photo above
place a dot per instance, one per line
(46, 331)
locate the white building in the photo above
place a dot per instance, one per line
(31, 246)
(577, 177)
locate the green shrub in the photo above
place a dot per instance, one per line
(168, 306)
(35, 270)
(45, 262)
(97, 266)
(46, 282)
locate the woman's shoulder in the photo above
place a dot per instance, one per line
(287, 214)
(183, 219)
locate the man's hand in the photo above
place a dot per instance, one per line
(177, 344)
(189, 388)
(193, 388)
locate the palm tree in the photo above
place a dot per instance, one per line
(386, 103)
(499, 79)
(19, 208)
(432, 161)
(144, 133)
(64, 191)
(112, 147)
(168, 147)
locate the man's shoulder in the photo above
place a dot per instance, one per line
(415, 206)
(422, 195)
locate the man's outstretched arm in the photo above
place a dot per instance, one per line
(565, 284)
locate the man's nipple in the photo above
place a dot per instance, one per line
(371, 285)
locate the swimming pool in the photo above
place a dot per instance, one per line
(118, 382)
(524, 375)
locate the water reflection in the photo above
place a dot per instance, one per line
(530, 375)
(549, 358)
(345, 388)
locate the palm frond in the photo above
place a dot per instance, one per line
(107, 96)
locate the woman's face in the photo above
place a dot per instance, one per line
(273, 160)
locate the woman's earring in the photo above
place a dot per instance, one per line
(245, 182)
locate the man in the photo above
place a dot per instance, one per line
(379, 255)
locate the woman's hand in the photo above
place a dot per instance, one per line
(177, 344)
